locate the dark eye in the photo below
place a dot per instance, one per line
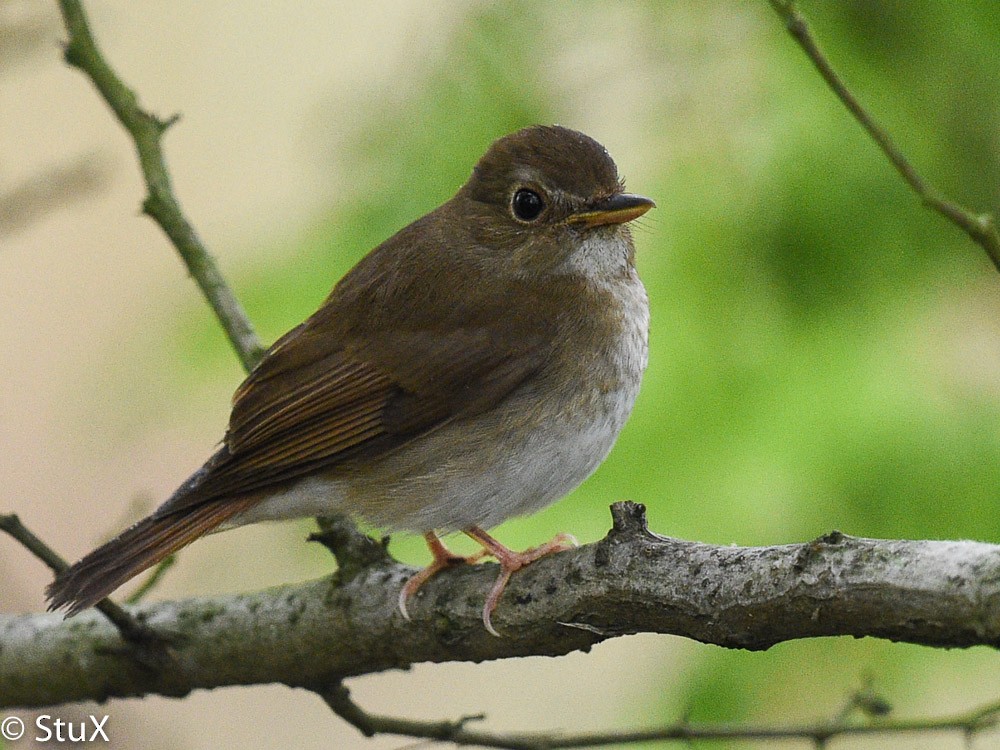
(526, 204)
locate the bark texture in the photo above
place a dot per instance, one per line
(938, 593)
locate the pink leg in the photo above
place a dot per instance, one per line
(443, 558)
(510, 562)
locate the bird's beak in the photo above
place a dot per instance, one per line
(615, 209)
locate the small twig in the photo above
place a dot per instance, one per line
(11, 524)
(154, 578)
(981, 228)
(338, 698)
(160, 204)
(131, 629)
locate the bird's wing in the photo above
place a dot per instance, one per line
(313, 403)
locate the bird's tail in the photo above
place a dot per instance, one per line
(137, 548)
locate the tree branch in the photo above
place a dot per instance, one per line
(131, 629)
(981, 228)
(314, 634)
(338, 697)
(154, 578)
(160, 204)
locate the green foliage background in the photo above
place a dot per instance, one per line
(824, 351)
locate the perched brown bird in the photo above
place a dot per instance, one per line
(477, 365)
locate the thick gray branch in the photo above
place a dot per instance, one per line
(309, 635)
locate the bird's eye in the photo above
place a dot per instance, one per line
(526, 204)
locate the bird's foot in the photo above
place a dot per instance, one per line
(511, 562)
(442, 558)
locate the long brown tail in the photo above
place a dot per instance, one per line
(139, 547)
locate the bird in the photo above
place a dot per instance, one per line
(477, 365)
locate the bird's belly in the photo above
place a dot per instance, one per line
(481, 472)
(512, 463)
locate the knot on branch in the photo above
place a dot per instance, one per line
(353, 549)
(629, 524)
(810, 551)
(161, 124)
(629, 521)
(73, 55)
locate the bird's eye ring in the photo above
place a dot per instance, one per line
(526, 205)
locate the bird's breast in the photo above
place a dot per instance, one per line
(537, 445)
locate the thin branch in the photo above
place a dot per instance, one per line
(338, 698)
(131, 629)
(11, 524)
(160, 204)
(980, 227)
(154, 578)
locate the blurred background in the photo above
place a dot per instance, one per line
(824, 351)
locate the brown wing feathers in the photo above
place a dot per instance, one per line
(317, 421)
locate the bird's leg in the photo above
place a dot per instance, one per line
(443, 558)
(510, 562)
